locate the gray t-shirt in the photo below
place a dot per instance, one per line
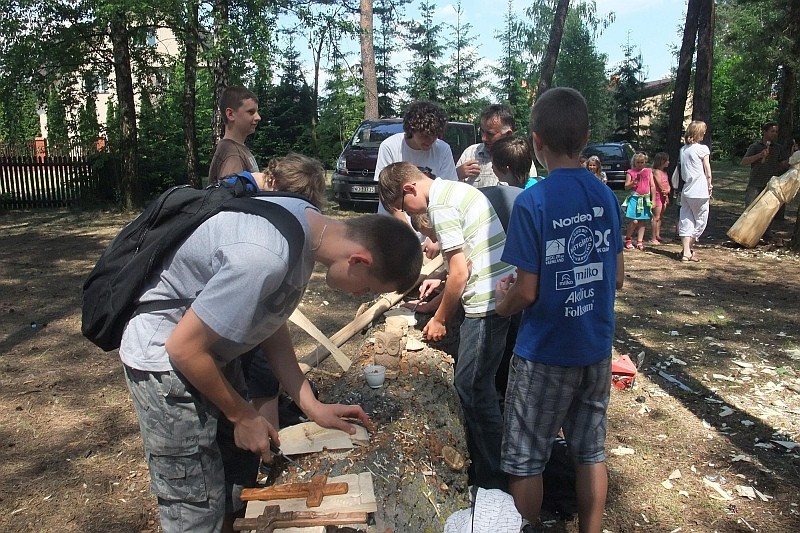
(236, 266)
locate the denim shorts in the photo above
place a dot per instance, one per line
(195, 473)
(541, 400)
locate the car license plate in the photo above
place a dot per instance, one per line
(363, 189)
(606, 167)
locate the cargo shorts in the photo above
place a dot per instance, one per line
(195, 478)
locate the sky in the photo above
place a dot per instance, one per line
(654, 28)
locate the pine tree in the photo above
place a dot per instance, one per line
(463, 78)
(425, 73)
(286, 117)
(513, 83)
(57, 133)
(582, 67)
(340, 112)
(88, 125)
(385, 38)
(627, 87)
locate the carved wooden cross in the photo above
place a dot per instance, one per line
(313, 491)
(272, 518)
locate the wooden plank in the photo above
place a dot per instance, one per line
(363, 320)
(310, 437)
(299, 319)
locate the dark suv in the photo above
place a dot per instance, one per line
(615, 159)
(354, 177)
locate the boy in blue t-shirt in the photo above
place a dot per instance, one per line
(565, 238)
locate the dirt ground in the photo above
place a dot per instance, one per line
(717, 400)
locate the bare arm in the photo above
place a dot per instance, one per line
(620, 270)
(458, 274)
(749, 160)
(707, 170)
(514, 295)
(629, 183)
(189, 349)
(279, 351)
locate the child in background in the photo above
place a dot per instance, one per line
(298, 174)
(511, 161)
(593, 166)
(638, 180)
(661, 197)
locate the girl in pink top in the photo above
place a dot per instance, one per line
(638, 180)
(661, 196)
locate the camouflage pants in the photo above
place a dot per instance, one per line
(179, 432)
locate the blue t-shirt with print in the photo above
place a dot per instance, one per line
(567, 230)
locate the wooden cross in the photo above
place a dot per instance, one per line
(313, 491)
(272, 518)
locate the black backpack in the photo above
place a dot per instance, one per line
(112, 290)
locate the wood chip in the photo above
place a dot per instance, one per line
(721, 494)
(453, 459)
(622, 450)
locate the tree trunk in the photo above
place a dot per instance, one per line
(786, 105)
(368, 62)
(221, 66)
(794, 244)
(701, 105)
(190, 96)
(317, 53)
(129, 183)
(682, 77)
(553, 46)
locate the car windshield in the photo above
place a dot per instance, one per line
(371, 135)
(605, 152)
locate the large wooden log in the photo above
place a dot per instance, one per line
(755, 220)
(384, 303)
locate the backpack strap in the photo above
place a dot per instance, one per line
(276, 214)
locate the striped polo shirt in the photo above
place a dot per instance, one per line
(463, 218)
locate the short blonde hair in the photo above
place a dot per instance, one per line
(695, 131)
(638, 155)
(299, 174)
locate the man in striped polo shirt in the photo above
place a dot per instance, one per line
(472, 238)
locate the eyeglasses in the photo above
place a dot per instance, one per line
(403, 198)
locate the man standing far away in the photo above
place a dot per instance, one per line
(475, 164)
(766, 158)
(239, 109)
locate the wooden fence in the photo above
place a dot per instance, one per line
(44, 181)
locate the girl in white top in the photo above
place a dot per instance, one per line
(696, 194)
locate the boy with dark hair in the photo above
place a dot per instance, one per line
(182, 365)
(239, 109)
(419, 143)
(565, 237)
(471, 238)
(766, 158)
